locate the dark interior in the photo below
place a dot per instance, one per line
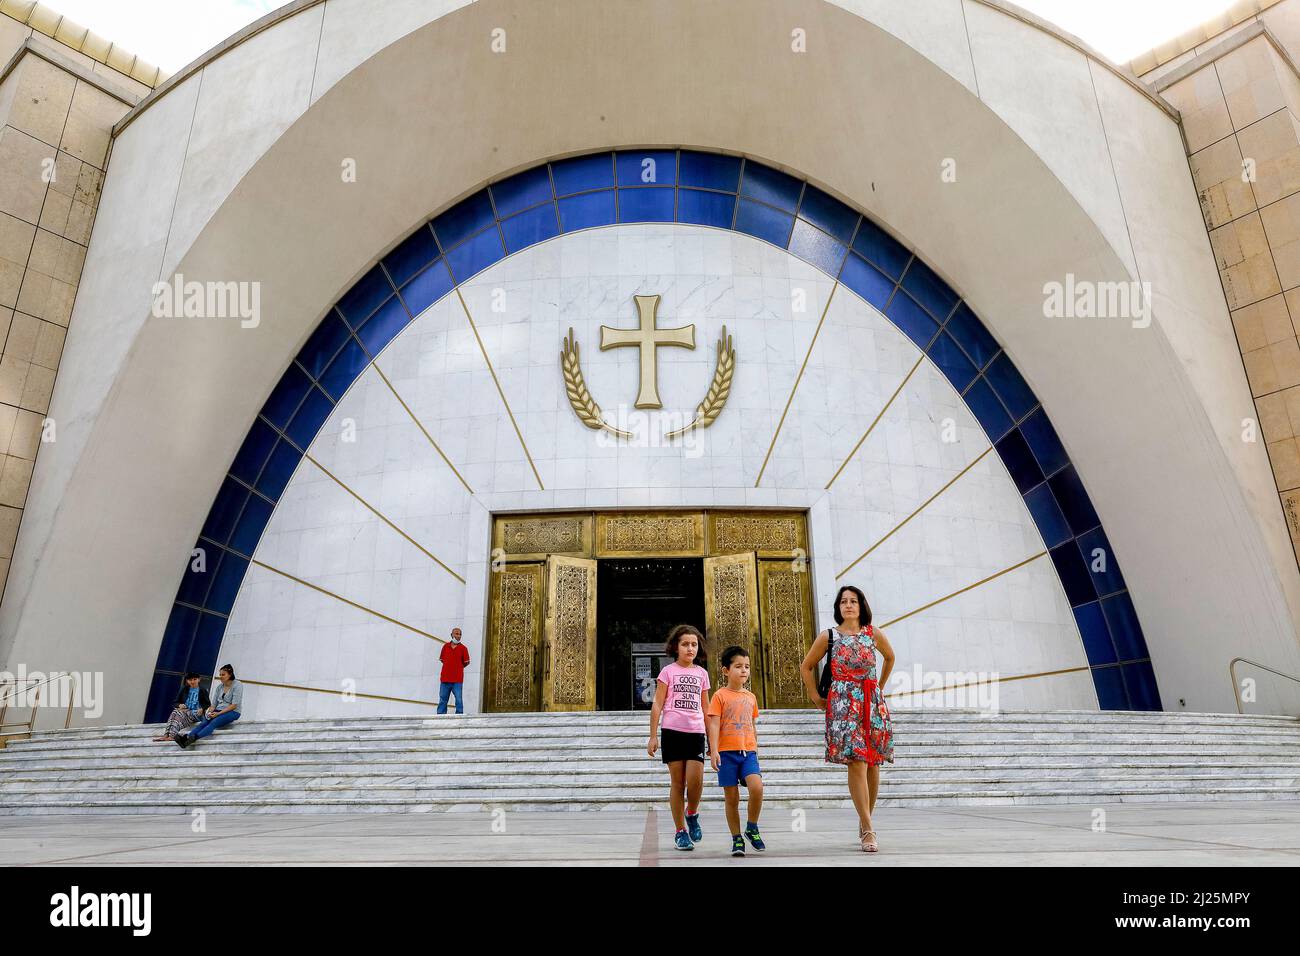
(640, 600)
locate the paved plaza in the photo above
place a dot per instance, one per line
(1246, 833)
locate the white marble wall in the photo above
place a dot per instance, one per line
(285, 632)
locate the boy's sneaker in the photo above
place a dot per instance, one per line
(693, 824)
(737, 845)
(683, 841)
(751, 831)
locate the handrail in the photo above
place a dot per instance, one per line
(1232, 674)
(32, 683)
(38, 683)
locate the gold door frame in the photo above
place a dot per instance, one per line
(757, 544)
(569, 644)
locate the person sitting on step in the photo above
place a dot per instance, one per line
(191, 704)
(224, 710)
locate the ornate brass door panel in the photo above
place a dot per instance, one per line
(660, 534)
(773, 534)
(785, 607)
(537, 537)
(569, 642)
(731, 614)
(514, 636)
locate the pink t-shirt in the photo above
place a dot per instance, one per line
(686, 687)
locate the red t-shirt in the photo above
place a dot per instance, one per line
(454, 657)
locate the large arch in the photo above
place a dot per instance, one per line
(869, 120)
(709, 189)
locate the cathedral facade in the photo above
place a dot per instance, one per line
(562, 323)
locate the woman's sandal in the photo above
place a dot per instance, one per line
(868, 845)
(158, 740)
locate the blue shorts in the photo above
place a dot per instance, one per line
(735, 765)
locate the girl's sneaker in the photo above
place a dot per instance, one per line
(693, 824)
(737, 845)
(683, 841)
(751, 831)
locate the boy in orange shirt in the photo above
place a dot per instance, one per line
(733, 747)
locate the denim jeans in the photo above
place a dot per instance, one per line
(206, 725)
(445, 690)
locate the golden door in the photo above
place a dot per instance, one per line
(516, 595)
(785, 612)
(731, 614)
(569, 636)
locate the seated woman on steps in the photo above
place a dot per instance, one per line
(224, 710)
(191, 704)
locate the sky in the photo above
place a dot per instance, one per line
(172, 33)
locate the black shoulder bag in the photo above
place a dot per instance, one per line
(824, 684)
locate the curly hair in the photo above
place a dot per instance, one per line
(675, 636)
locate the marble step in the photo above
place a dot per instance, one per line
(802, 778)
(212, 757)
(562, 761)
(946, 716)
(371, 804)
(324, 806)
(582, 788)
(216, 753)
(941, 720)
(617, 737)
(193, 764)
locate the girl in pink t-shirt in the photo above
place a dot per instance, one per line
(682, 700)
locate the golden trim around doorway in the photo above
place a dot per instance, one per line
(650, 533)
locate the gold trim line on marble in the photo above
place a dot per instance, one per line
(995, 680)
(875, 421)
(925, 504)
(350, 603)
(420, 425)
(798, 378)
(969, 587)
(339, 693)
(382, 517)
(497, 382)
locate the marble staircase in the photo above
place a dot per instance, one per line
(589, 761)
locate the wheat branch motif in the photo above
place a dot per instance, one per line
(584, 406)
(719, 389)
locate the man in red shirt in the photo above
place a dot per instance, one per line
(454, 659)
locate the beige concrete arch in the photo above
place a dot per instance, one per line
(1148, 414)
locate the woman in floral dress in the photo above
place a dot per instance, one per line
(859, 732)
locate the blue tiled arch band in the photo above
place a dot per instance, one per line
(689, 187)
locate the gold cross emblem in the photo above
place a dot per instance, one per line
(649, 339)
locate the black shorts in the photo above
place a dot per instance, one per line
(678, 745)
